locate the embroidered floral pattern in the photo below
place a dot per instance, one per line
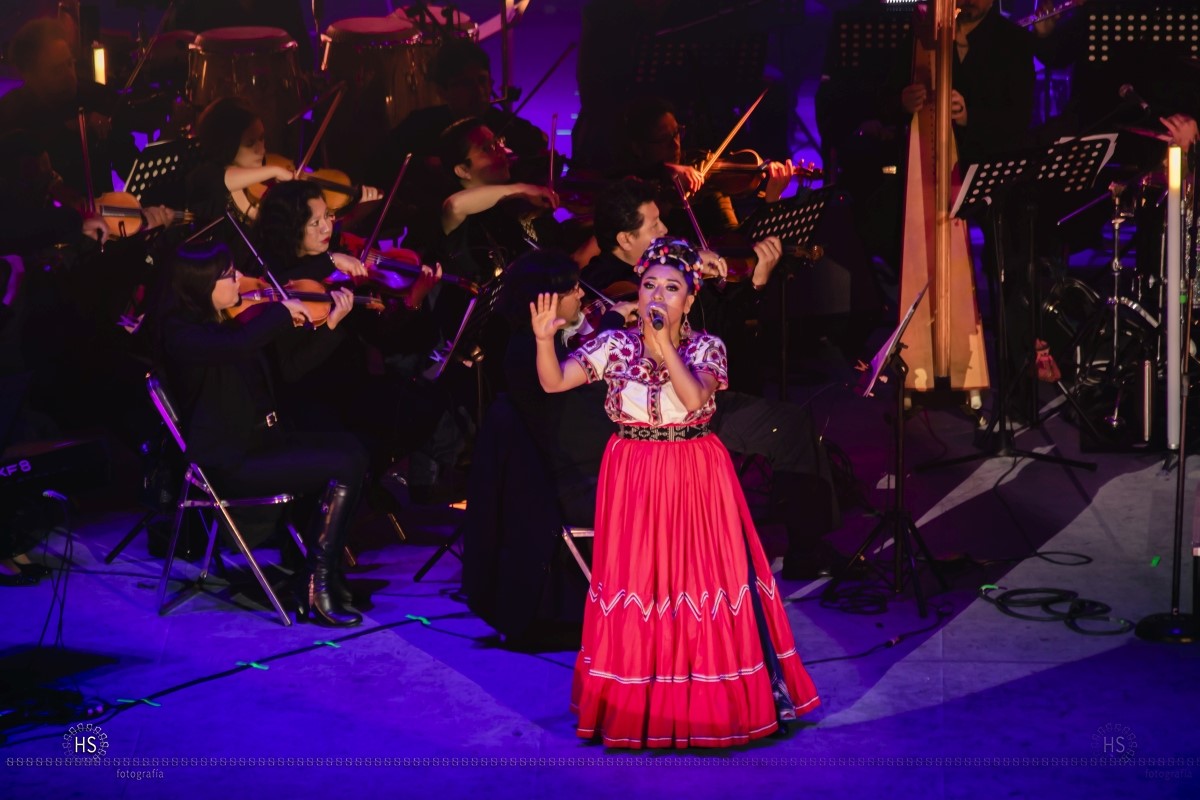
(640, 391)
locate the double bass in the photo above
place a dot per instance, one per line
(944, 340)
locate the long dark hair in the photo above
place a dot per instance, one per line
(183, 290)
(282, 216)
(531, 274)
(221, 127)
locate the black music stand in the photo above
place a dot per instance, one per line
(159, 173)
(1069, 166)
(1170, 27)
(794, 223)
(464, 348)
(896, 520)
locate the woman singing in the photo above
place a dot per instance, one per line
(685, 638)
(218, 375)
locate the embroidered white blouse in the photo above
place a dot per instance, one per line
(640, 393)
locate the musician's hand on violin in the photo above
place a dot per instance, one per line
(343, 304)
(428, 278)
(544, 317)
(280, 173)
(300, 314)
(958, 109)
(627, 309)
(769, 251)
(369, 193)
(541, 196)
(96, 229)
(1181, 130)
(913, 97)
(778, 178)
(349, 265)
(690, 177)
(158, 216)
(712, 265)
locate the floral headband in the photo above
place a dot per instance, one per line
(676, 253)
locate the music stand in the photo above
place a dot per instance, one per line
(465, 347)
(794, 223)
(897, 520)
(1169, 27)
(158, 174)
(1069, 166)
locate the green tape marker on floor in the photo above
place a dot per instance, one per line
(140, 700)
(1154, 561)
(253, 664)
(328, 643)
(421, 620)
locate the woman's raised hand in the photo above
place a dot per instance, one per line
(544, 316)
(349, 265)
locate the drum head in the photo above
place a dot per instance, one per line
(370, 30)
(244, 40)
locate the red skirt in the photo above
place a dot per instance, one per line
(673, 654)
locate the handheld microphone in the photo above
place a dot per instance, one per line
(657, 320)
(1127, 92)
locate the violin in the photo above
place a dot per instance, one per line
(336, 188)
(122, 213)
(395, 270)
(318, 301)
(743, 171)
(741, 261)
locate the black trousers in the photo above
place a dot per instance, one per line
(297, 463)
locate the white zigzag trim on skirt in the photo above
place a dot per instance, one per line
(683, 599)
(737, 737)
(728, 676)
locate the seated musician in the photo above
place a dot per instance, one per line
(627, 220)
(233, 146)
(217, 375)
(652, 148)
(396, 416)
(48, 103)
(462, 73)
(489, 221)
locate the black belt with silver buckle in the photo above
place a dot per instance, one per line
(675, 433)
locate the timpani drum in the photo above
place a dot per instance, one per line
(256, 63)
(438, 23)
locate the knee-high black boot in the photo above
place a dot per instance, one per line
(322, 603)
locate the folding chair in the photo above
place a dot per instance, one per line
(569, 535)
(195, 481)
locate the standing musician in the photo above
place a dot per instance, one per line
(218, 377)
(627, 221)
(672, 529)
(48, 103)
(991, 103)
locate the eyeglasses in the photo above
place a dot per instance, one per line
(494, 146)
(676, 135)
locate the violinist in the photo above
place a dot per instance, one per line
(652, 149)
(462, 73)
(218, 377)
(233, 146)
(489, 221)
(48, 103)
(394, 414)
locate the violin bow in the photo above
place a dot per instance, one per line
(553, 137)
(362, 257)
(266, 271)
(601, 296)
(513, 114)
(316, 140)
(703, 242)
(149, 48)
(716, 154)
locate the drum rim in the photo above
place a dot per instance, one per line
(280, 39)
(404, 33)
